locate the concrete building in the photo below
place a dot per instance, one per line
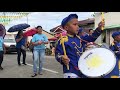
(112, 24)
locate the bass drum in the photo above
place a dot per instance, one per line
(97, 62)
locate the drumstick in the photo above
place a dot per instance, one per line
(63, 46)
(102, 16)
(119, 67)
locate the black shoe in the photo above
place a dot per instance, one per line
(34, 75)
(19, 64)
(24, 63)
(1, 68)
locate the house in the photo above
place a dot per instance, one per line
(112, 24)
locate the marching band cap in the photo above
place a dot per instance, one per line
(80, 30)
(68, 18)
(115, 34)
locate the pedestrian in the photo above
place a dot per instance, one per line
(115, 47)
(39, 40)
(2, 51)
(21, 44)
(2, 46)
(73, 46)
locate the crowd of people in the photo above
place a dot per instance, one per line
(75, 42)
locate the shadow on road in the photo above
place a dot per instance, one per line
(11, 53)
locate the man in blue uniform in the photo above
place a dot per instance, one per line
(115, 47)
(74, 46)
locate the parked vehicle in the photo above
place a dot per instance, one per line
(10, 43)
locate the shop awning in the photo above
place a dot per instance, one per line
(112, 26)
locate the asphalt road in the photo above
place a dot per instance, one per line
(51, 68)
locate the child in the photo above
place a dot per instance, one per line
(115, 47)
(74, 46)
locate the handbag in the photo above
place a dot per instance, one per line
(31, 47)
(23, 48)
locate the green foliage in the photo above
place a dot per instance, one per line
(48, 51)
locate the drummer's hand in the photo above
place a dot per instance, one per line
(65, 59)
(118, 52)
(101, 24)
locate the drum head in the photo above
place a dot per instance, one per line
(97, 62)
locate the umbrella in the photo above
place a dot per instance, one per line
(30, 32)
(2, 30)
(52, 39)
(18, 27)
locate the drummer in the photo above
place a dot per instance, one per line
(115, 47)
(73, 46)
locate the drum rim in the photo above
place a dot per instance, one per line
(101, 75)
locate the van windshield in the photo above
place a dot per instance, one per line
(10, 40)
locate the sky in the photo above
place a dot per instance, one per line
(48, 20)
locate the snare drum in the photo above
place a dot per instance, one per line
(97, 62)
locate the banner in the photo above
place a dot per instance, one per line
(7, 17)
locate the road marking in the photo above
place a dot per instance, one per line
(44, 68)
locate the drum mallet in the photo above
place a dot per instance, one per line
(63, 46)
(102, 16)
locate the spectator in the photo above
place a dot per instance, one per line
(39, 40)
(21, 44)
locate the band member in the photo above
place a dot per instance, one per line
(74, 46)
(115, 47)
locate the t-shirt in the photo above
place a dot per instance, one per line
(39, 37)
(1, 43)
(21, 42)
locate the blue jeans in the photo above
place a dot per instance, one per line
(39, 55)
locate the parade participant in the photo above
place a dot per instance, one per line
(91, 31)
(81, 33)
(39, 40)
(73, 45)
(21, 43)
(115, 47)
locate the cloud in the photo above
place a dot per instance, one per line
(48, 20)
